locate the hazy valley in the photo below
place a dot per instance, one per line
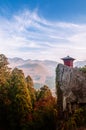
(42, 72)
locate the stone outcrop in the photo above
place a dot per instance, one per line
(71, 86)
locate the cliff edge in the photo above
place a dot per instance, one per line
(71, 86)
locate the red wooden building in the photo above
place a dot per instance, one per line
(68, 61)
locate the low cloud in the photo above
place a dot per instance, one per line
(27, 35)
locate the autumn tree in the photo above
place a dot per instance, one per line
(4, 88)
(4, 70)
(45, 109)
(20, 106)
(32, 91)
(44, 92)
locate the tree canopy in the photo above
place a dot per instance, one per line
(21, 105)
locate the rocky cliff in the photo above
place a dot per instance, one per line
(71, 86)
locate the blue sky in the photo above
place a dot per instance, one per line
(43, 29)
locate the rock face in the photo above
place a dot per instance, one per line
(71, 86)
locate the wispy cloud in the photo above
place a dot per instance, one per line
(28, 35)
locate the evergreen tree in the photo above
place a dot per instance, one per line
(32, 91)
(4, 70)
(4, 88)
(83, 69)
(44, 92)
(20, 107)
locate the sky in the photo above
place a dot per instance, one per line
(43, 29)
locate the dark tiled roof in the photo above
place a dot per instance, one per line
(68, 58)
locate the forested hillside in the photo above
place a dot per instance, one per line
(21, 106)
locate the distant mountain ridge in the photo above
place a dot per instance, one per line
(42, 72)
